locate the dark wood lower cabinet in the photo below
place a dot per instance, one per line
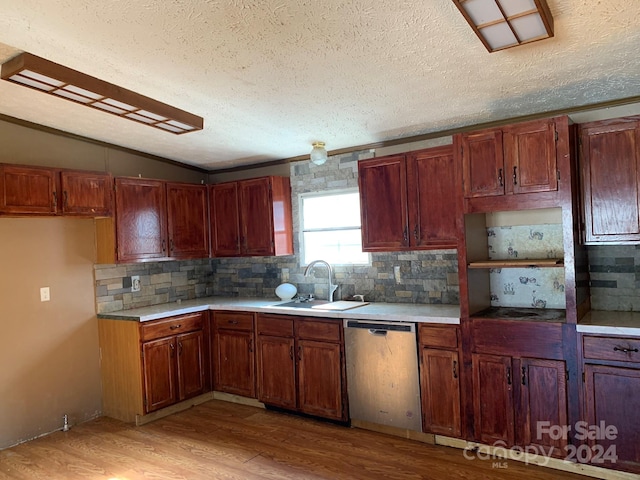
(175, 366)
(301, 365)
(233, 353)
(516, 400)
(440, 385)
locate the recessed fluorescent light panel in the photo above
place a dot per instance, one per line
(52, 78)
(503, 24)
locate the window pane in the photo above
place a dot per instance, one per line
(342, 247)
(331, 211)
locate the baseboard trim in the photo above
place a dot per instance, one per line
(396, 432)
(178, 407)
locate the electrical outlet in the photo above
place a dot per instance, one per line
(135, 283)
(45, 294)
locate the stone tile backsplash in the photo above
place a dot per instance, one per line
(615, 277)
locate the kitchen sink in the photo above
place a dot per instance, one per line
(321, 305)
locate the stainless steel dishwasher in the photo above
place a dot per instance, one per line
(382, 373)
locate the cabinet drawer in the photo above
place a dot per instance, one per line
(274, 325)
(621, 349)
(443, 337)
(171, 326)
(233, 321)
(319, 330)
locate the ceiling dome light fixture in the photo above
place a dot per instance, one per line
(318, 155)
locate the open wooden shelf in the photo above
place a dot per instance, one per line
(518, 263)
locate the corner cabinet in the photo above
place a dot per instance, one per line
(46, 191)
(251, 218)
(148, 366)
(610, 166)
(157, 220)
(406, 201)
(301, 365)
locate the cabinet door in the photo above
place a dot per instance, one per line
(431, 183)
(483, 172)
(158, 358)
(29, 190)
(224, 220)
(543, 401)
(440, 383)
(612, 400)
(530, 157)
(256, 217)
(320, 379)
(85, 193)
(191, 364)
(188, 225)
(234, 362)
(141, 219)
(383, 203)
(611, 176)
(276, 371)
(493, 399)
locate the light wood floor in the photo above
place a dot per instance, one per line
(222, 440)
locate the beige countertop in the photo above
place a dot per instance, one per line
(423, 313)
(610, 323)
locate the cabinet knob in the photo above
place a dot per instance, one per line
(175, 327)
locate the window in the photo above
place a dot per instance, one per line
(330, 226)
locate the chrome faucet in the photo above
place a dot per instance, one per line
(332, 287)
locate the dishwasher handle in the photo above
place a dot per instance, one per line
(378, 332)
(382, 327)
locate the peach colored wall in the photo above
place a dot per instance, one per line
(49, 354)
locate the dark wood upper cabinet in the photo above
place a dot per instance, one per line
(225, 220)
(610, 166)
(187, 220)
(86, 193)
(141, 219)
(407, 201)
(512, 160)
(383, 203)
(28, 190)
(483, 168)
(251, 217)
(47, 191)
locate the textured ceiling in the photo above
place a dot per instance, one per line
(271, 76)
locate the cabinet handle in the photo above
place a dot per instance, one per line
(250, 341)
(524, 375)
(415, 232)
(179, 348)
(171, 245)
(55, 199)
(164, 245)
(175, 327)
(455, 369)
(405, 235)
(233, 322)
(299, 352)
(625, 350)
(500, 180)
(515, 175)
(508, 375)
(291, 352)
(173, 349)
(65, 199)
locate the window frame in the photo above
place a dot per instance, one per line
(302, 231)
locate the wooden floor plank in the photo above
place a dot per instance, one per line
(226, 441)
